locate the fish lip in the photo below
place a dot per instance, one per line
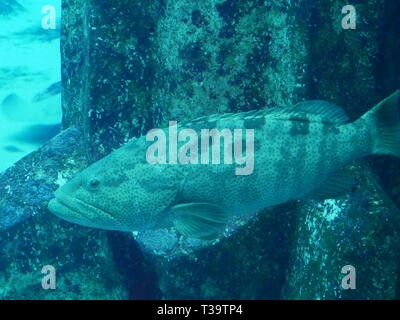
(67, 202)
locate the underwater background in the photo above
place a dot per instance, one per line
(113, 69)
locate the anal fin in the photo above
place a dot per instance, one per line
(335, 186)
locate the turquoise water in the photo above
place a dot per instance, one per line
(29, 64)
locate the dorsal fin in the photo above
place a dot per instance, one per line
(312, 111)
(229, 116)
(316, 110)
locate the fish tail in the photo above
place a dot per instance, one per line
(384, 120)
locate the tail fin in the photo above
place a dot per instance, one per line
(385, 118)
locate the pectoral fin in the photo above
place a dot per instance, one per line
(334, 187)
(199, 220)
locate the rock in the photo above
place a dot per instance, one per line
(82, 259)
(360, 230)
(26, 187)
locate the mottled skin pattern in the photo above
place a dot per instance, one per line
(296, 150)
(289, 162)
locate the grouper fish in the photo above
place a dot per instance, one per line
(299, 153)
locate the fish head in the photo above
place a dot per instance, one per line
(118, 193)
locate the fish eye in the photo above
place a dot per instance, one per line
(93, 184)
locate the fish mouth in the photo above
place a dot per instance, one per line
(77, 211)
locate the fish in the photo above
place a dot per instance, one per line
(300, 153)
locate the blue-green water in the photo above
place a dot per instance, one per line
(110, 71)
(30, 63)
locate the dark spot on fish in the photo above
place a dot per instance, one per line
(335, 130)
(254, 123)
(300, 116)
(299, 127)
(162, 183)
(115, 179)
(257, 145)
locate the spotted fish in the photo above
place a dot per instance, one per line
(299, 153)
